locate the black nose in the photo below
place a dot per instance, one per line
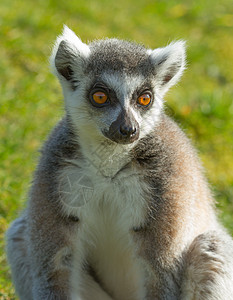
(127, 131)
(124, 130)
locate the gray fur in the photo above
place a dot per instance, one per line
(118, 55)
(150, 207)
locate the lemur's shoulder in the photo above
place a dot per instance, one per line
(61, 143)
(167, 138)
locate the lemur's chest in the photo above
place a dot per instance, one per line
(89, 195)
(108, 211)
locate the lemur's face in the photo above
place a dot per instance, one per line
(113, 89)
(118, 103)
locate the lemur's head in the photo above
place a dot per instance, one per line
(113, 89)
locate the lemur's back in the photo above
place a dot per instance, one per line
(119, 208)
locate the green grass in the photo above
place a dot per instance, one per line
(31, 99)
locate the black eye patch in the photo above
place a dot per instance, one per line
(145, 88)
(100, 86)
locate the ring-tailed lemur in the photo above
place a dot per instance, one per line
(119, 208)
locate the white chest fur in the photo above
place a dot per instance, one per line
(108, 209)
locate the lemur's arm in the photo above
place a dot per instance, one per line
(50, 249)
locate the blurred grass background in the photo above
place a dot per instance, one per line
(31, 99)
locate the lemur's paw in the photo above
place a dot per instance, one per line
(208, 269)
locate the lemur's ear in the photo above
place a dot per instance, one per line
(67, 55)
(169, 64)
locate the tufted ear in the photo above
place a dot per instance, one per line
(67, 56)
(169, 64)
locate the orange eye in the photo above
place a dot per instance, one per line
(144, 99)
(100, 97)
